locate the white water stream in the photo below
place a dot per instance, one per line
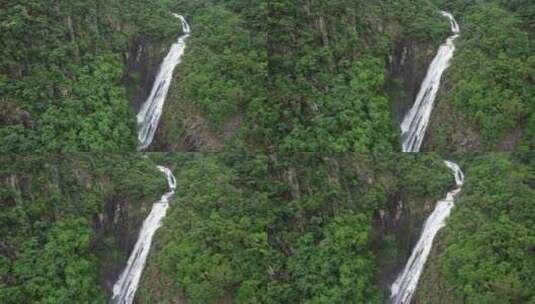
(148, 118)
(413, 127)
(415, 121)
(405, 285)
(125, 288)
(151, 111)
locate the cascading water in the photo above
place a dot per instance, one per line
(415, 122)
(148, 118)
(405, 284)
(149, 114)
(125, 288)
(413, 127)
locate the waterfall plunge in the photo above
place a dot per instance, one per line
(413, 127)
(125, 288)
(151, 111)
(416, 120)
(405, 285)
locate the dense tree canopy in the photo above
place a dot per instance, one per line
(306, 200)
(52, 221)
(61, 72)
(282, 228)
(491, 78)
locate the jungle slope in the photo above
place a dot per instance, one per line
(68, 223)
(485, 254)
(70, 69)
(289, 228)
(487, 99)
(299, 75)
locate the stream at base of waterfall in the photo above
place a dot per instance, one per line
(148, 118)
(413, 130)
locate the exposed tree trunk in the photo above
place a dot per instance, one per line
(323, 30)
(294, 183)
(73, 38)
(15, 186)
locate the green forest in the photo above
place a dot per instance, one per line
(283, 76)
(282, 128)
(255, 228)
(59, 235)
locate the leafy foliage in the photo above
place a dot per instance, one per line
(492, 73)
(61, 72)
(494, 265)
(52, 222)
(62, 271)
(338, 269)
(326, 68)
(489, 241)
(281, 229)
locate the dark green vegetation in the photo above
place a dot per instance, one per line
(327, 76)
(328, 64)
(490, 88)
(284, 76)
(312, 228)
(486, 252)
(285, 229)
(61, 69)
(223, 71)
(67, 221)
(315, 76)
(292, 75)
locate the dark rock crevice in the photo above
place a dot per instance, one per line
(396, 230)
(116, 230)
(408, 66)
(142, 62)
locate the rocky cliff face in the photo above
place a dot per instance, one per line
(181, 128)
(449, 130)
(117, 229)
(399, 225)
(397, 229)
(408, 66)
(142, 64)
(185, 129)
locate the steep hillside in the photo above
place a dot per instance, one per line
(223, 71)
(485, 253)
(296, 190)
(64, 85)
(487, 100)
(68, 223)
(299, 76)
(290, 228)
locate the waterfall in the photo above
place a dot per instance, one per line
(148, 118)
(413, 127)
(415, 121)
(150, 112)
(405, 284)
(125, 288)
